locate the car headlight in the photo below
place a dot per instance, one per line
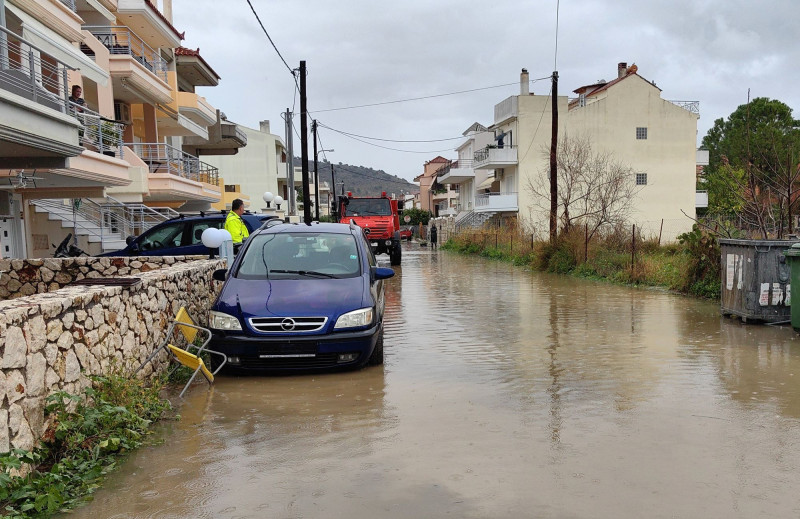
(356, 318)
(220, 321)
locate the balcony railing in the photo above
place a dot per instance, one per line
(100, 134)
(692, 106)
(70, 4)
(496, 202)
(30, 72)
(120, 40)
(163, 158)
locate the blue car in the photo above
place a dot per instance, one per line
(301, 298)
(181, 236)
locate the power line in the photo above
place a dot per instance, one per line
(461, 137)
(425, 97)
(391, 149)
(544, 109)
(269, 38)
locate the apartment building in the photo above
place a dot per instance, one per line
(114, 162)
(625, 117)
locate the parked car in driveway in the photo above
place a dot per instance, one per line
(301, 297)
(181, 236)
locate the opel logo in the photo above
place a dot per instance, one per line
(287, 324)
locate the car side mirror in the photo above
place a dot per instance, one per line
(219, 274)
(130, 239)
(378, 273)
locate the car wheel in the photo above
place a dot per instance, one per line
(376, 359)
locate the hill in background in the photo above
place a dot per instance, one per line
(360, 180)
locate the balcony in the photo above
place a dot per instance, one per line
(700, 199)
(138, 72)
(37, 128)
(224, 138)
(99, 134)
(193, 69)
(456, 172)
(495, 158)
(196, 108)
(59, 16)
(496, 202)
(153, 27)
(176, 175)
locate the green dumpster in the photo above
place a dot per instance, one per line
(793, 257)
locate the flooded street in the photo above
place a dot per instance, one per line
(504, 394)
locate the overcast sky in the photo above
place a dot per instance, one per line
(371, 51)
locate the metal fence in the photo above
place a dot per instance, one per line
(30, 72)
(163, 158)
(101, 134)
(120, 40)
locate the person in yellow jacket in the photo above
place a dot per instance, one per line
(235, 225)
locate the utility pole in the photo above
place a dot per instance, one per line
(335, 208)
(304, 144)
(290, 164)
(316, 173)
(554, 165)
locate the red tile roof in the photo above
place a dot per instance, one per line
(164, 19)
(183, 51)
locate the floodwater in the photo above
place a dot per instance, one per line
(505, 394)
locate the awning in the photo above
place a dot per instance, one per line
(36, 33)
(486, 184)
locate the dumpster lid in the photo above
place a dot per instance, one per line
(793, 251)
(758, 243)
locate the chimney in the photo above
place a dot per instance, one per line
(622, 69)
(264, 125)
(524, 83)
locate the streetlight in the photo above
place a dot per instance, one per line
(278, 201)
(316, 181)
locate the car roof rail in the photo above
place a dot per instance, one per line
(272, 222)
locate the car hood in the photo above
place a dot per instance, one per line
(293, 297)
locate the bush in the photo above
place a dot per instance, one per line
(85, 436)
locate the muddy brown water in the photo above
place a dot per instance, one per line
(505, 394)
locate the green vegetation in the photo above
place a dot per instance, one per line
(418, 216)
(690, 266)
(85, 437)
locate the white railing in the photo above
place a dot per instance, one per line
(101, 134)
(109, 220)
(692, 106)
(496, 202)
(163, 158)
(120, 40)
(30, 72)
(495, 155)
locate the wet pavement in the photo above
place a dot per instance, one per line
(505, 394)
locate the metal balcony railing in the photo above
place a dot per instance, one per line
(120, 40)
(99, 134)
(163, 158)
(692, 106)
(30, 72)
(70, 4)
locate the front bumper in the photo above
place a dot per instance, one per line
(296, 353)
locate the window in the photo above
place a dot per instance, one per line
(641, 179)
(641, 133)
(582, 100)
(163, 237)
(196, 233)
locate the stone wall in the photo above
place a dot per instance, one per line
(25, 277)
(57, 340)
(445, 227)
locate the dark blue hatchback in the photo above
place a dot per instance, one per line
(301, 297)
(181, 236)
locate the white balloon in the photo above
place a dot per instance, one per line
(211, 238)
(268, 197)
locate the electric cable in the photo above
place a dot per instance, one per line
(425, 97)
(460, 137)
(269, 38)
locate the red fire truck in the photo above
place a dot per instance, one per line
(380, 219)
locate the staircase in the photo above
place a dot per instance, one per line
(472, 220)
(108, 222)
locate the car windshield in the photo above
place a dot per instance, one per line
(300, 255)
(368, 207)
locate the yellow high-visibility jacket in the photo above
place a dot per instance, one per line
(235, 225)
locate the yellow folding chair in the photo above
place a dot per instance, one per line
(183, 322)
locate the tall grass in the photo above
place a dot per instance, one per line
(690, 266)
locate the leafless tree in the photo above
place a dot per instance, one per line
(594, 188)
